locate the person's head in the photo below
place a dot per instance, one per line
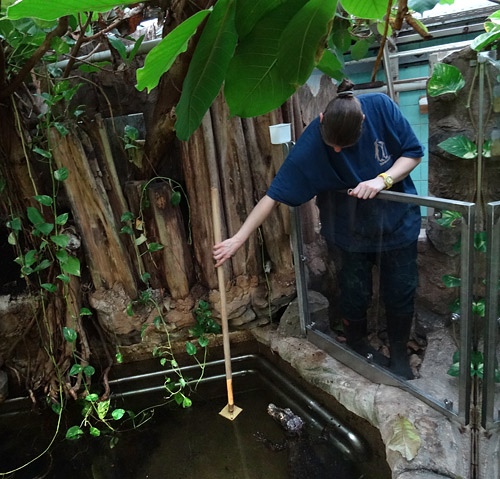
(342, 119)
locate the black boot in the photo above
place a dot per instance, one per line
(355, 334)
(398, 330)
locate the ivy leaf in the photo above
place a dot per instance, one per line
(154, 247)
(71, 266)
(445, 79)
(405, 438)
(85, 312)
(92, 397)
(163, 55)
(73, 433)
(60, 240)
(454, 370)
(45, 228)
(89, 370)
(75, 369)
(44, 200)
(203, 341)
(485, 39)
(127, 216)
(480, 241)
(451, 281)
(62, 219)
(119, 358)
(69, 334)
(175, 198)
(186, 402)
(478, 307)
(449, 219)
(127, 230)
(102, 409)
(61, 174)
(64, 278)
(459, 146)
(52, 288)
(94, 431)
(207, 68)
(118, 414)
(35, 216)
(190, 348)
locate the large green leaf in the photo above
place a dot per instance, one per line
(254, 85)
(459, 146)
(207, 69)
(53, 9)
(366, 8)
(421, 6)
(485, 39)
(331, 65)
(161, 57)
(405, 438)
(303, 40)
(445, 79)
(360, 49)
(250, 12)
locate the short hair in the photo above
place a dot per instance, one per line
(342, 118)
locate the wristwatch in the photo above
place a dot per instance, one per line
(387, 180)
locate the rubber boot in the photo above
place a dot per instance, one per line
(398, 330)
(355, 333)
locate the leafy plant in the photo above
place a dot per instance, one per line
(476, 366)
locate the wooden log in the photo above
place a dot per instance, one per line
(106, 257)
(197, 176)
(177, 265)
(118, 203)
(265, 160)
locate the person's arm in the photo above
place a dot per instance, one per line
(399, 171)
(224, 250)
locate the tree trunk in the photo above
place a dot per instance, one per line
(107, 260)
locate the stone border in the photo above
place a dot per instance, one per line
(445, 445)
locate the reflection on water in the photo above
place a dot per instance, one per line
(175, 444)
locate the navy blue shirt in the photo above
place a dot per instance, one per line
(314, 169)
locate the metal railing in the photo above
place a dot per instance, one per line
(374, 372)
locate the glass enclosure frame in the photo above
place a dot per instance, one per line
(372, 371)
(491, 316)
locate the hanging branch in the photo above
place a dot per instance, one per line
(382, 42)
(59, 31)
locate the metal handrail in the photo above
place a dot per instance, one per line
(377, 373)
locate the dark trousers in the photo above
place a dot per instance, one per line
(398, 281)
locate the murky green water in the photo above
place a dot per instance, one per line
(175, 444)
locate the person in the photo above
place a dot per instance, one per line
(362, 144)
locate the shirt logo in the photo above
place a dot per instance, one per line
(381, 153)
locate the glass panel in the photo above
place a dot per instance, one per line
(491, 383)
(442, 320)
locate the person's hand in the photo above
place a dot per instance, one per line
(368, 189)
(223, 251)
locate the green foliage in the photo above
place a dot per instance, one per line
(161, 57)
(445, 79)
(370, 9)
(207, 68)
(459, 146)
(491, 36)
(449, 219)
(305, 33)
(476, 366)
(57, 8)
(253, 83)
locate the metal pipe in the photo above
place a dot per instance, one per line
(388, 74)
(105, 55)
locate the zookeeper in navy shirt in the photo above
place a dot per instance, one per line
(361, 144)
